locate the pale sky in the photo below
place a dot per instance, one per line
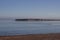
(30, 8)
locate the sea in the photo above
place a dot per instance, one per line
(12, 27)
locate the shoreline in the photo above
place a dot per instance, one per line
(49, 36)
(34, 19)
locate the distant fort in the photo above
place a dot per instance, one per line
(37, 19)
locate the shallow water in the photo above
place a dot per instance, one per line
(11, 27)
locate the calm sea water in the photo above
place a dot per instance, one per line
(11, 27)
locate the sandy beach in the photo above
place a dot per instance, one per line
(51, 36)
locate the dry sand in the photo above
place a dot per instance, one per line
(51, 36)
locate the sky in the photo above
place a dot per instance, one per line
(30, 8)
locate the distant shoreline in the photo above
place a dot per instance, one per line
(37, 19)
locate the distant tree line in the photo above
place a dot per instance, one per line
(37, 19)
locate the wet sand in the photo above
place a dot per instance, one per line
(51, 36)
